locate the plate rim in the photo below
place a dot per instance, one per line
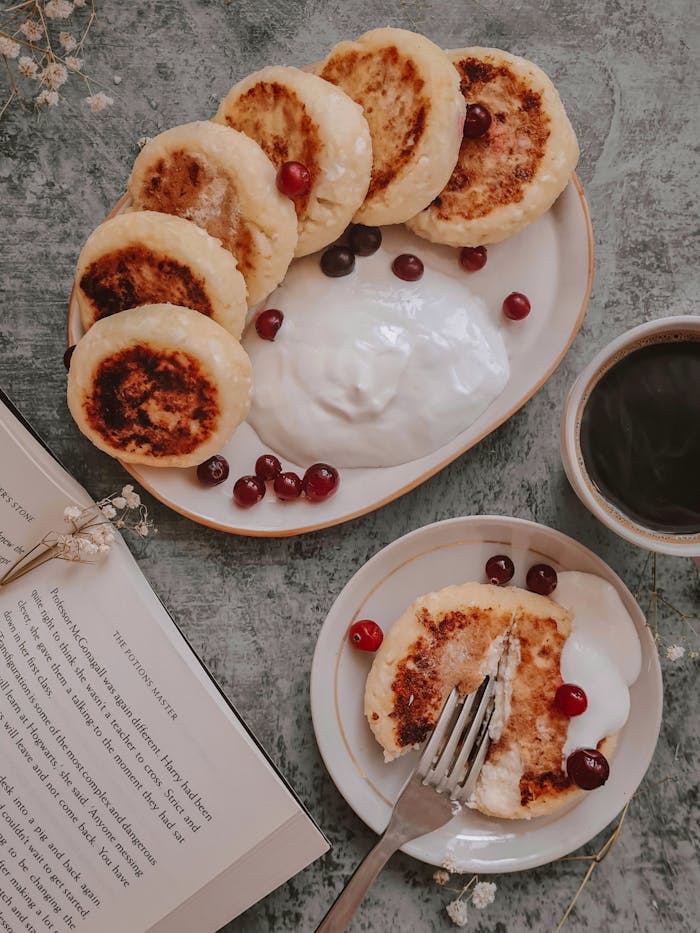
(132, 469)
(316, 686)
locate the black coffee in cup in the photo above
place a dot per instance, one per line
(640, 435)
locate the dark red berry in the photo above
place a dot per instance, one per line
(213, 471)
(293, 179)
(365, 635)
(337, 261)
(587, 768)
(268, 322)
(407, 267)
(67, 357)
(570, 700)
(516, 306)
(477, 121)
(247, 491)
(499, 569)
(364, 241)
(472, 258)
(542, 579)
(320, 482)
(287, 486)
(267, 467)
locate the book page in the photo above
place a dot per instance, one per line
(126, 782)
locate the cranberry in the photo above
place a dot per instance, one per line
(570, 700)
(516, 306)
(500, 569)
(267, 467)
(476, 122)
(267, 323)
(247, 491)
(407, 267)
(67, 357)
(213, 471)
(287, 486)
(337, 261)
(542, 579)
(363, 240)
(365, 635)
(587, 768)
(320, 481)
(293, 179)
(472, 258)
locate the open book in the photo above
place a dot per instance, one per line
(132, 797)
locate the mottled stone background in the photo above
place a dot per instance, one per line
(627, 71)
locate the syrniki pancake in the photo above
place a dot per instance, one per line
(298, 117)
(512, 174)
(223, 181)
(159, 385)
(144, 257)
(453, 638)
(410, 96)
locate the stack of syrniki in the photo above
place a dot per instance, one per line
(378, 131)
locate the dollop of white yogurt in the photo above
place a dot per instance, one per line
(371, 371)
(602, 655)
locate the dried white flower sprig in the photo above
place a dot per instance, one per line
(90, 533)
(686, 636)
(479, 893)
(36, 46)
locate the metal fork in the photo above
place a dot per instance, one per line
(450, 764)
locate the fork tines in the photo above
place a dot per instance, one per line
(457, 748)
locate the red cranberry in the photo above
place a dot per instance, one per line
(365, 635)
(516, 306)
(320, 482)
(67, 357)
(293, 179)
(267, 467)
(364, 241)
(337, 261)
(472, 258)
(247, 491)
(267, 323)
(570, 700)
(407, 267)
(477, 121)
(542, 579)
(213, 471)
(500, 569)
(587, 768)
(287, 486)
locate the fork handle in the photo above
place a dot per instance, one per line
(350, 898)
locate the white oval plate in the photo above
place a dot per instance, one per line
(551, 262)
(430, 558)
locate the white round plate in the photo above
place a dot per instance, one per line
(551, 261)
(428, 559)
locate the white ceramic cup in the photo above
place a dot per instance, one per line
(659, 331)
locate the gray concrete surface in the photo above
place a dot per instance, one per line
(627, 70)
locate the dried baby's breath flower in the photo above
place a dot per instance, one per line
(27, 67)
(142, 140)
(98, 102)
(47, 99)
(54, 75)
(457, 912)
(484, 893)
(73, 63)
(32, 30)
(441, 876)
(132, 499)
(58, 9)
(675, 652)
(450, 864)
(8, 47)
(67, 41)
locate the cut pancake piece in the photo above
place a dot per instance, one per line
(159, 385)
(222, 181)
(298, 117)
(512, 174)
(411, 99)
(144, 257)
(453, 638)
